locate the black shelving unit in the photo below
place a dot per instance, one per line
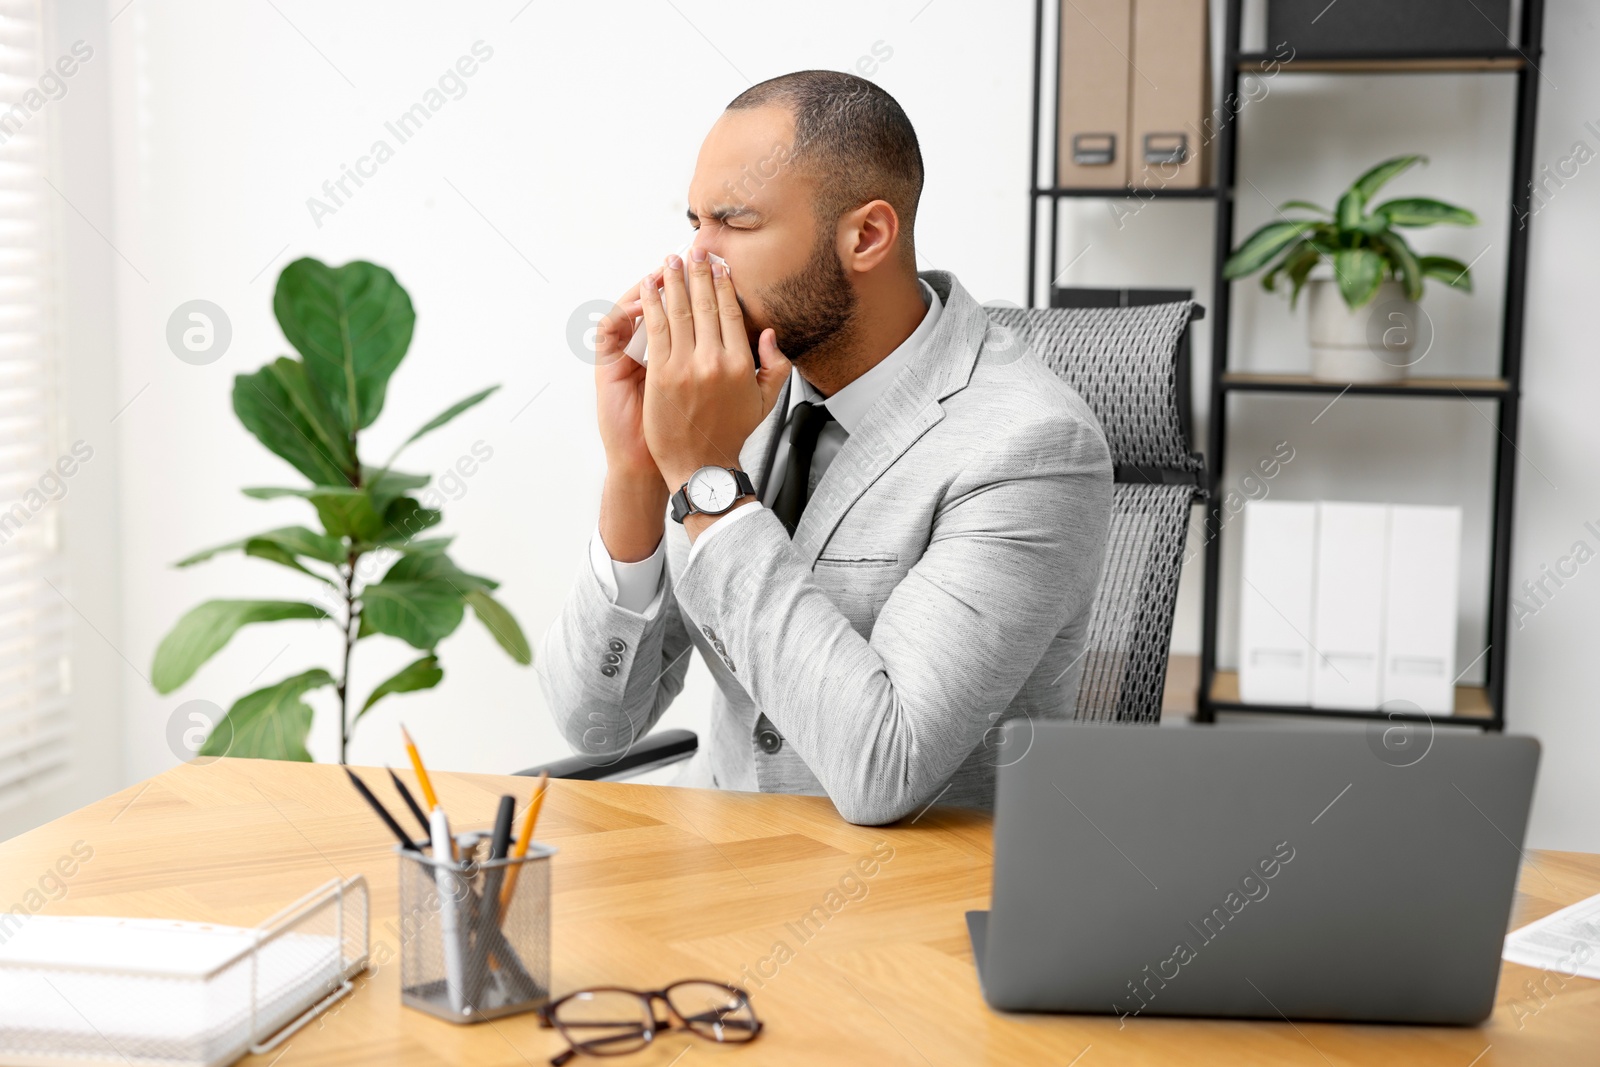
(1482, 706)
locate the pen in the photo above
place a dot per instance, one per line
(383, 813)
(445, 878)
(524, 839)
(499, 847)
(500, 842)
(487, 914)
(411, 801)
(428, 794)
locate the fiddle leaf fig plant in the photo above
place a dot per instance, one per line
(1363, 245)
(351, 327)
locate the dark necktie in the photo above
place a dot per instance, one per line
(804, 428)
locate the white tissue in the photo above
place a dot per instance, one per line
(636, 344)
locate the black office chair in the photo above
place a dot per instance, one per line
(1126, 352)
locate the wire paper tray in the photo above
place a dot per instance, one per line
(149, 992)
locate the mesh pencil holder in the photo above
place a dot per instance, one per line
(475, 934)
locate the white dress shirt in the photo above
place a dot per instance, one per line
(638, 587)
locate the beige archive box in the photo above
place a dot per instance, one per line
(1168, 142)
(1092, 101)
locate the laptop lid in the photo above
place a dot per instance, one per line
(1306, 873)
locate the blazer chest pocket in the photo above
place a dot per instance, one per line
(858, 584)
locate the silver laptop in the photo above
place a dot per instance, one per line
(1348, 874)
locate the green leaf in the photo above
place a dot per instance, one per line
(200, 634)
(1360, 271)
(436, 566)
(1261, 246)
(278, 405)
(295, 539)
(1269, 280)
(1404, 262)
(268, 551)
(347, 513)
(352, 325)
(425, 673)
(447, 414)
(387, 486)
(425, 545)
(1417, 211)
(1299, 266)
(271, 723)
(1452, 272)
(501, 625)
(1305, 205)
(404, 520)
(1352, 205)
(419, 613)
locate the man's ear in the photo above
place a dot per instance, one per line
(870, 236)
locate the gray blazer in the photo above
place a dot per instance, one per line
(939, 584)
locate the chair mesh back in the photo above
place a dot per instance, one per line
(1123, 362)
(1130, 625)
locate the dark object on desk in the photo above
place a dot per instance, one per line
(411, 801)
(1362, 876)
(614, 1021)
(654, 750)
(383, 812)
(1388, 27)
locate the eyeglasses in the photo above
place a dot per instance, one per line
(613, 1021)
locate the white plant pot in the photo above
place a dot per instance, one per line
(1373, 343)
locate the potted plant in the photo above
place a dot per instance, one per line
(1373, 268)
(352, 326)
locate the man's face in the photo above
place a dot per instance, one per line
(753, 207)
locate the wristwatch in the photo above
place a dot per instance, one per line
(710, 491)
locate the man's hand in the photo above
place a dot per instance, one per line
(619, 395)
(702, 395)
(633, 502)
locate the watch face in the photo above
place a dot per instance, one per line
(712, 489)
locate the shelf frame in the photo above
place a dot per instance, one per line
(1519, 62)
(1449, 388)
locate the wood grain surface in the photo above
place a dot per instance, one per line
(654, 884)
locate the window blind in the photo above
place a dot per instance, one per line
(35, 735)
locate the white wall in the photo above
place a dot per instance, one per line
(560, 176)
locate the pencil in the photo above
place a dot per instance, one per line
(428, 795)
(524, 839)
(383, 813)
(411, 801)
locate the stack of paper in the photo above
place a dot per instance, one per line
(153, 990)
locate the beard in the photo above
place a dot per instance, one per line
(813, 310)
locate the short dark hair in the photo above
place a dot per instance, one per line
(854, 138)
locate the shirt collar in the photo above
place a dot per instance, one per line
(849, 406)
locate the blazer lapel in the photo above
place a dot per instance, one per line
(900, 416)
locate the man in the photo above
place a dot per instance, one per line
(885, 541)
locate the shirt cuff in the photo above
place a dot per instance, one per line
(632, 586)
(740, 512)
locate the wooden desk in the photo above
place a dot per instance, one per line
(656, 884)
